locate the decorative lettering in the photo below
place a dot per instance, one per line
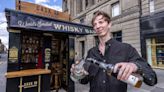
(33, 22)
(44, 24)
(57, 26)
(29, 84)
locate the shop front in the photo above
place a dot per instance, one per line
(41, 52)
(152, 38)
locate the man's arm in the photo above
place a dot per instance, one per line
(149, 75)
(92, 69)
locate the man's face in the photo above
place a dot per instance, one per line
(101, 26)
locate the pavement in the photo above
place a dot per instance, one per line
(159, 87)
(3, 69)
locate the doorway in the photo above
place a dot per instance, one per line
(59, 62)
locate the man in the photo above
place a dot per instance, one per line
(122, 55)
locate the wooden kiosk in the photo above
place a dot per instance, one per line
(41, 51)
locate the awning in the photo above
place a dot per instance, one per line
(17, 19)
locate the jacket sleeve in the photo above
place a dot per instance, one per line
(92, 69)
(148, 74)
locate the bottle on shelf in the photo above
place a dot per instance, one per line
(134, 79)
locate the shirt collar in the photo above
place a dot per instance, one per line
(108, 43)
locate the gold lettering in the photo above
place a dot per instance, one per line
(46, 10)
(30, 84)
(42, 9)
(37, 7)
(49, 11)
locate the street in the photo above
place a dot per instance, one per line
(85, 88)
(3, 69)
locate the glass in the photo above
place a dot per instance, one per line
(78, 72)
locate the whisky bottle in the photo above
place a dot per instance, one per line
(134, 79)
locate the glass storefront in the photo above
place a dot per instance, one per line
(155, 51)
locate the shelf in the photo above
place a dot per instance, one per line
(29, 72)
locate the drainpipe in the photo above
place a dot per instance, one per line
(142, 39)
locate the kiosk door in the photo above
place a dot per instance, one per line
(71, 87)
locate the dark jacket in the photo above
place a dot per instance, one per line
(115, 52)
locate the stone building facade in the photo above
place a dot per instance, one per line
(137, 22)
(125, 20)
(152, 31)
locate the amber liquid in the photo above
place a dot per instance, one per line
(138, 84)
(134, 80)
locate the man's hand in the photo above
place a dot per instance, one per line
(73, 67)
(125, 70)
(77, 72)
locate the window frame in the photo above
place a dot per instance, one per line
(151, 6)
(114, 7)
(117, 35)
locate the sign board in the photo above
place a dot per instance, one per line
(13, 54)
(28, 21)
(32, 8)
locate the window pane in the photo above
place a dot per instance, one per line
(118, 36)
(151, 5)
(115, 9)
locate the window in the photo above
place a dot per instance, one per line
(89, 3)
(86, 3)
(82, 52)
(82, 21)
(151, 5)
(56, 13)
(155, 51)
(118, 36)
(115, 9)
(65, 7)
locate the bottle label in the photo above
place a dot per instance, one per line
(132, 80)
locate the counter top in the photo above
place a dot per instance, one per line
(29, 72)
